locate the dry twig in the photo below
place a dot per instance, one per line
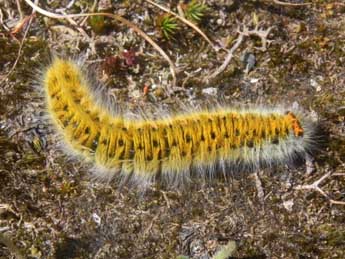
(290, 4)
(245, 32)
(315, 186)
(261, 33)
(259, 188)
(19, 10)
(118, 18)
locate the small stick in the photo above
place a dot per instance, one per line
(263, 34)
(259, 188)
(19, 10)
(315, 186)
(290, 4)
(227, 60)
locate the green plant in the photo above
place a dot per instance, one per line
(167, 24)
(195, 11)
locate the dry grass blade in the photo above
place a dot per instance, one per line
(19, 10)
(28, 23)
(118, 18)
(190, 24)
(290, 4)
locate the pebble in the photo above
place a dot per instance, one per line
(210, 91)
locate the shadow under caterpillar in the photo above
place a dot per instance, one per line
(173, 146)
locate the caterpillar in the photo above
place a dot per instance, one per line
(169, 147)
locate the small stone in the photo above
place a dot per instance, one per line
(249, 61)
(210, 91)
(315, 84)
(288, 205)
(96, 218)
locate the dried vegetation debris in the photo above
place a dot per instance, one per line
(49, 208)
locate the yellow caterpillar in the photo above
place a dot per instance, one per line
(173, 146)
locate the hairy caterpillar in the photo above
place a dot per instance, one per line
(173, 146)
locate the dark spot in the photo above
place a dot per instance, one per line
(226, 135)
(155, 143)
(174, 144)
(124, 129)
(88, 111)
(67, 76)
(275, 141)
(250, 144)
(209, 148)
(213, 135)
(149, 157)
(167, 151)
(263, 134)
(65, 108)
(166, 142)
(140, 147)
(65, 123)
(121, 142)
(277, 131)
(237, 132)
(188, 138)
(183, 153)
(254, 132)
(159, 155)
(94, 145)
(104, 142)
(202, 137)
(54, 80)
(87, 130)
(131, 154)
